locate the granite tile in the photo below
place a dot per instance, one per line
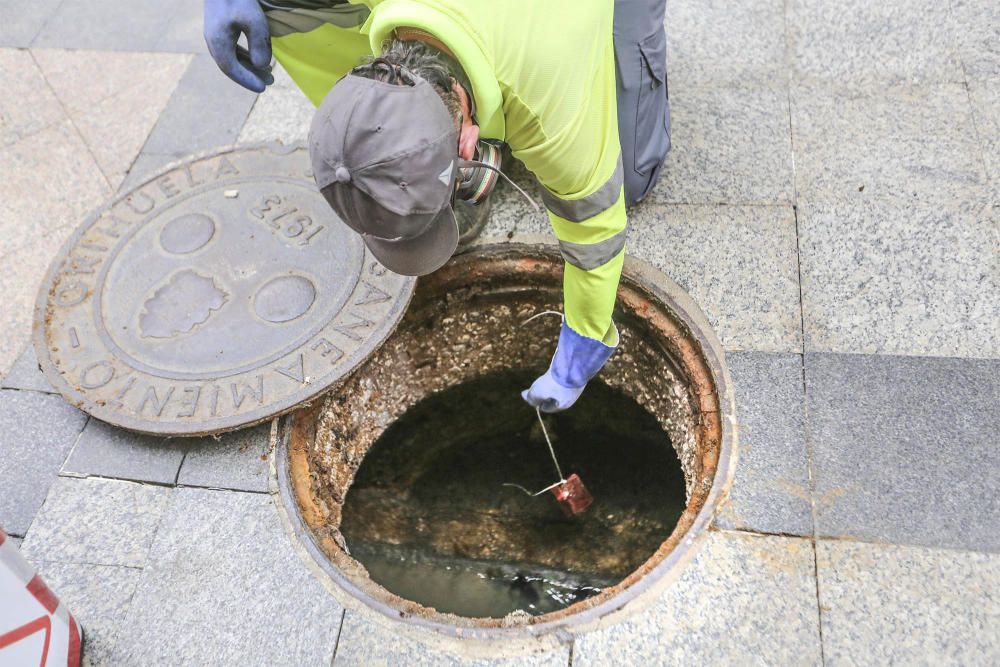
(744, 598)
(25, 373)
(36, 432)
(207, 110)
(21, 20)
(184, 32)
(890, 279)
(98, 597)
(978, 37)
(985, 100)
(281, 113)
(239, 460)
(366, 642)
(50, 182)
(729, 145)
(96, 522)
(19, 285)
(888, 604)
(108, 451)
(904, 449)
(146, 165)
(858, 42)
(20, 281)
(717, 42)
(737, 262)
(224, 586)
(771, 492)
(27, 105)
(115, 116)
(906, 144)
(105, 25)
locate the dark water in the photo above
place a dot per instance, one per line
(430, 518)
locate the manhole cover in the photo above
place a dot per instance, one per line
(218, 294)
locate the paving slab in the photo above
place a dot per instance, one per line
(904, 143)
(26, 374)
(36, 432)
(28, 104)
(239, 460)
(861, 42)
(145, 166)
(22, 20)
(717, 42)
(224, 586)
(978, 37)
(743, 598)
(985, 98)
(365, 642)
(184, 32)
(904, 449)
(737, 262)
(771, 492)
(730, 145)
(98, 597)
(206, 111)
(883, 278)
(888, 604)
(51, 181)
(109, 451)
(16, 541)
(116, 114)
(106, 25)
(96, 522)
(18, 288)
(281, 113)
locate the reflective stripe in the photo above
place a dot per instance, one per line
(578, 210)
(587, 256)
(283, 22)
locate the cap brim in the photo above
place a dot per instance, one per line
(419, 255)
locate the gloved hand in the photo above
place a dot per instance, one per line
(225, 20)
(576, 361)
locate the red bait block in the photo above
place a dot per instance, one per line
(573, 495)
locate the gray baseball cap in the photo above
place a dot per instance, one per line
(385, 157)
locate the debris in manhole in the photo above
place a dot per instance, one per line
(429, 519)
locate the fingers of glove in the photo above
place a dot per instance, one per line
(546, 405)
(242, 75)
(259, 40)
(549, 396)
(264, 73)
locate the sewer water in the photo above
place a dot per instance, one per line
(429, 517)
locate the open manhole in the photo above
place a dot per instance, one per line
(394, 481)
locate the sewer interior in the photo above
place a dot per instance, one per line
(429, 517)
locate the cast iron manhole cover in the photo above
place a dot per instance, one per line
(218, 294)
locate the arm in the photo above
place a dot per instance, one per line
(591, 232)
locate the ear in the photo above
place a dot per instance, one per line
(468, 135)
(467, 140)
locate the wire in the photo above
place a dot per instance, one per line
(552, 450)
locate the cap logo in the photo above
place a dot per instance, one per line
(445, 176)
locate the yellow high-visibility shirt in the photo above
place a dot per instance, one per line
(543, 79)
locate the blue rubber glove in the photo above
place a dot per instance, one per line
(225, 20)
(576, 361)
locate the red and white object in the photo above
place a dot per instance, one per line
(35, 628)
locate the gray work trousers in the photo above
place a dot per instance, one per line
(643, 107)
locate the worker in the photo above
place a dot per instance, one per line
(414, 96)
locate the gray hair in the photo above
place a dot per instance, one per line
(399, 57)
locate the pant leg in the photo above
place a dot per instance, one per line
(643, 106)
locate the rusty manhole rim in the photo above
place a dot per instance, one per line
(635, 591)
